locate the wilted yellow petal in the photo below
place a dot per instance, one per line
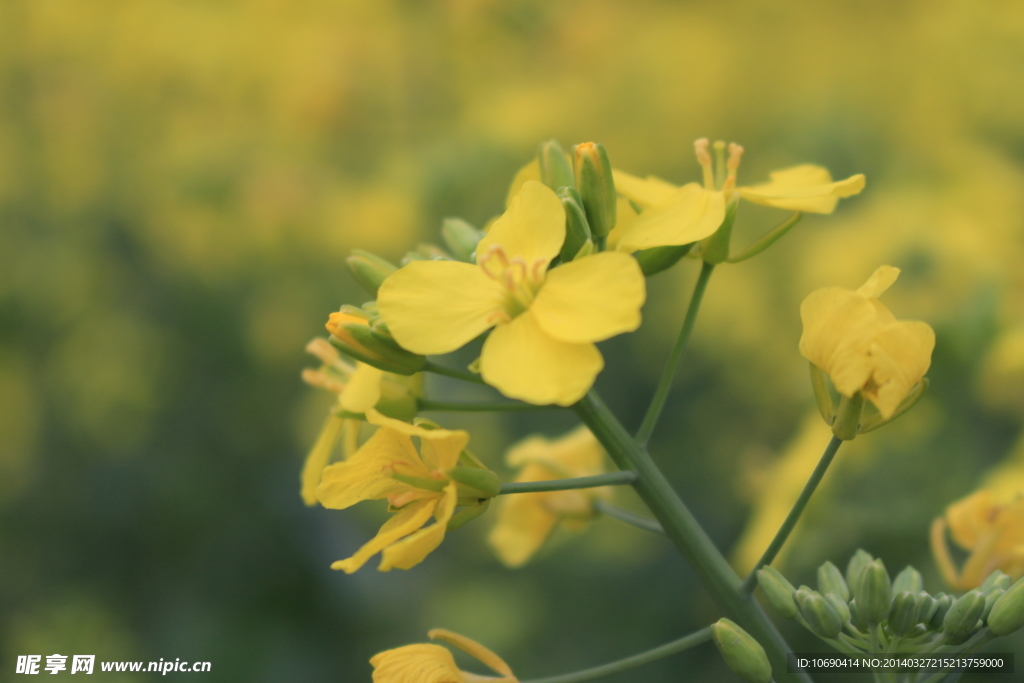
(421, 663)
(318, 458)
(411, 550)
(691, 214)
(522, 361)
(646, 192)
(363, 389)
(365, 476)
(533, 227)
(802, 188)
(530, 171)
(591, 299)
(472, 648)
(404, 522)
(434, 307)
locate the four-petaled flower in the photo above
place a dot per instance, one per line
(855, 340)
(992, 533)
(546, 321)
(425, 663)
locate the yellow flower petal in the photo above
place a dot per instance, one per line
(880, 280)
(434, 307)
(577, 454)
(901, 353)
(421, 663)
(363, 389)
(691, 214)
(364, 476)
(803, 188)
(439, 448)
(530, 171)
(522, 361)
(646, 192)
(472, 648)
(411, 550)
(404, 522)
(533, 227)
(591, 299)
(523, 522)
(318, 458)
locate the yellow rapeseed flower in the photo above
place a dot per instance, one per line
(546, 321)
(415, 485)
(675, 215)
(526, 519)
(425, 663)
(855, 340)
(991, 532)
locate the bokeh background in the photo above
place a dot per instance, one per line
(180, 182)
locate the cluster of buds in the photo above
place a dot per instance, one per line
(866, 611)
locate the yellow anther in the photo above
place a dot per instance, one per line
(735, 154)
(322, 381)
(700, 147)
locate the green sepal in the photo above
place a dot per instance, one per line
(715, 248)
(587, 249)
(822, 395)
(388, 356)
(577, 229)
(555, 168)
(657, 259)
(593, 174)
(467, 459)
(369, 270)
(848, 417)
(468, 514)
(875, 420)
(482, 480)
(461, 238)
(420, 482)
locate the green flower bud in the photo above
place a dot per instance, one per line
(990, 600)
(821, 617)
(369, 270)
(741, 652)
(555, 169)
(577, 230)
(943, 603)
(903, 613)
(777, 590)
(656, 259)
(961, 621)
(908, 580)
(840, 606)
(830, 580)
(460, 237)
(926, 607)
(482, 481)
(593, 174)
(353, 336)
(1007, 613)
(996, 579)
(873, 592)
(857, 616)
(860, 559)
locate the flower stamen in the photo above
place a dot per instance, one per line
(700, 148)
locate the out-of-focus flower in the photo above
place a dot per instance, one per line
(546, 322)
(426, 663)
(680, 215)
(859, 344)
(416, 486)
(1001, 379)
(991, 532)
(526, 519)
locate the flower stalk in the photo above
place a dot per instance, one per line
(621, 478)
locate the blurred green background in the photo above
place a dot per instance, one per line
(180, 182)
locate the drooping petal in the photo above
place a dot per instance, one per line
(366, 475)
(404, 522)
(591, 299)
(803, 188)
(434, 307)
(412, 549)
(691, 214)
(473, 649)
(318, 458)
(363, 389)
(533, 227)
(421, 663)
(439, 448)
(646, 192)
(902, 353)
(523, 521)
(522, 361)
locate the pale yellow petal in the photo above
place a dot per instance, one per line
(839, 326)
(577, 454)
(691, 214)
(522, 525)
(646, 192)
(901, 354)
(530, 171)
(421, 663)
(473, 649)
(366, 475)
(404, 522)
(880, 280)
(522, 361)
(318, 458)
(434, 307)
(439, 448)
(591, 299)
(411, 550)
(533, 227)
(802, 188)
(363, 389)
(624, 218)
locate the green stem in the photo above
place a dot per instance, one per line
(609, 479)
(794, 514)
(449, 372)
(628, 517)
(476, 406)
(768, 239)
(660, 652)
(643, 435)
(685, 532)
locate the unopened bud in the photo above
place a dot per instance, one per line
(996, 579)
(555, 169)
(926, 607)
(577, 230)
(840, 606)
(353, 336)
(857, 616)
(943, 602)
(961, 620)
(873, 592)
(460, 237)
(903, 613)
(830, 580)
(741, 652)
(908, 580)
(860, 559)
(777, 590)
(1007, 613)
(593, 173)
(991, 598)
(483, 481)
(656, 259)
(369, 270)
(822, 618)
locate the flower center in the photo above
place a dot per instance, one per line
(520, 279)
(719, 173)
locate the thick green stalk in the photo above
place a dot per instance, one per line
(609, 479)
(643, 435)
(660, 652)
(686, 533)
(477, 406)
(794, 514)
